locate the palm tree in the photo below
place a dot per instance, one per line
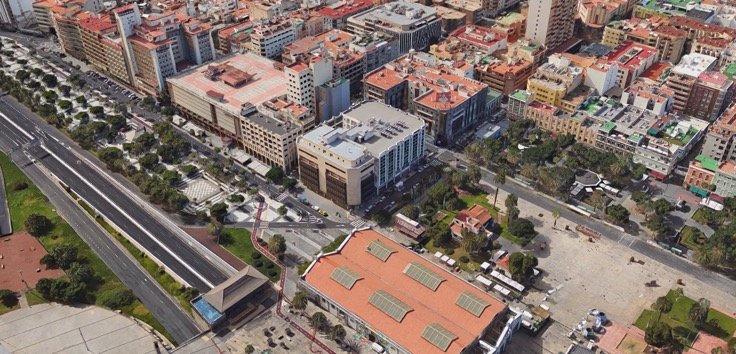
(471, 243)
(300, 300)
(351, 346)
(499, 179)
(338, 332)
(555, 215)
(662, 305)
(699, 312)
(318, 321)
(511, 202)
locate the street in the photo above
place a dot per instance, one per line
(146, 228)
(162, 306)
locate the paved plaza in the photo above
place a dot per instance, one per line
(55, 328)
(200, 190)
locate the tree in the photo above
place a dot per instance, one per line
(79, 272)
(523, 228)
(65, 105)
(662, 305)
(214, 228)
(472, 243)
(49, 80)
(555, 215)
(276, 175)
(188, 170)
(338, 332)
(277, 245)
(112, 157)
(618, 214)
(318, 321)
(118, 298)
(249, 349)
(521, 265)
(474, 175)
(381, 217)
(499, 179)
(300, 300)
(64, 255)
(511, 204)
(49, 261)
(699, 312)
(658, 334)
(218, 211)
(662, 206)
(81, 100)
(148, 161)
(65, 90)
(639, 197)
(598, 200)
(38, 225)
(282, 210)
(8, 298)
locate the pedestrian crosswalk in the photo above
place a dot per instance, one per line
(358, 223)
(313, 219)
(282, 196)
(435, 163)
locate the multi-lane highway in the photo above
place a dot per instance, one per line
(195, 267)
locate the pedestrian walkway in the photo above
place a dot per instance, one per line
(282, 196)
(358, 223)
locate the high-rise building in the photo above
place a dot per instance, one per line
(683, 76)
(104, 48)
(710, 95)
(304, 77)
(448, 103)
(333, 98)
(371, 146)
(415, 25)
(551, 22)
(720, 141)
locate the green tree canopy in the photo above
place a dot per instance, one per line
(521, 265)
(38, 225)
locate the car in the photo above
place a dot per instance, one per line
(315, 207)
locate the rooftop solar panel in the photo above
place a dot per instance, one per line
(438, 336)
(423, 275)
(389, 305)
(471, 303)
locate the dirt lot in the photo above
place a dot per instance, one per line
(19, 259)
(581, 275)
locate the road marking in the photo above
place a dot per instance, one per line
(30, 137)
(132, 220)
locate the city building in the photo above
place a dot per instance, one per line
(696, 29)
(449, 104)
(601, 77)
(235, 37)
(242, 296)
(578, 124)
(66, 26)
(408, 227)
(518, 101)
(700, 172)
(350, 159)
(268, 39)
(654, 32)
(720, 141)
(598, 13)
(513, 25)
(653, 98)
(683, 76)
(472, 9)
(725, 180)
(16, 13)
(511, 71)
(230, 97)
(710, 95)
(103, 48)
(415, 25)
(333, 98)
(390, 295)
(632, 60)
(663, 8)
(44, 10)
(475, 221)
(658, 143)
(339, 11)
(554, 79)
(483, 39)
(304, 77)
(551, 22)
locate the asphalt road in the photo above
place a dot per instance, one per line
(637, 244)
(135, 219)
(166, 310)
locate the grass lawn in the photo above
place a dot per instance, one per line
(692, 238)
(237, 241)
(30, 200)
(4, 309)
(681, 325)
(34, 298)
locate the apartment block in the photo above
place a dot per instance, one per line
(449, 104)
(44, 10)
(632, 60)
(653, 98)
(304, 77)
(654, 32)
(662, 8)
(333, 98)
(234, 38)
(339, 11)
(268, 40)
(710, 95)
(554, 80)
(66, 26)
(725, 180)
(518, 101)
(450, 19)
(481, 39)
(510, 71)
(360, 153)
(720, 141)
(551, 22)
(513, 25)
(241, 98)
(416, 26)
(103, 48)
(552, 119)
(700, 172)
(598, 13)
(472, 9)
(696, 29)
(16, 14)
(683, 76)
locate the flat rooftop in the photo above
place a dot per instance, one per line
(398, 293)
(264, 82)
(694, 64)
(398, 14)
(370, 127)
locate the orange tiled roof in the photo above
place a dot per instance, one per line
(376, 275)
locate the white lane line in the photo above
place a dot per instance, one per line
(131, 219)
(28, 135)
